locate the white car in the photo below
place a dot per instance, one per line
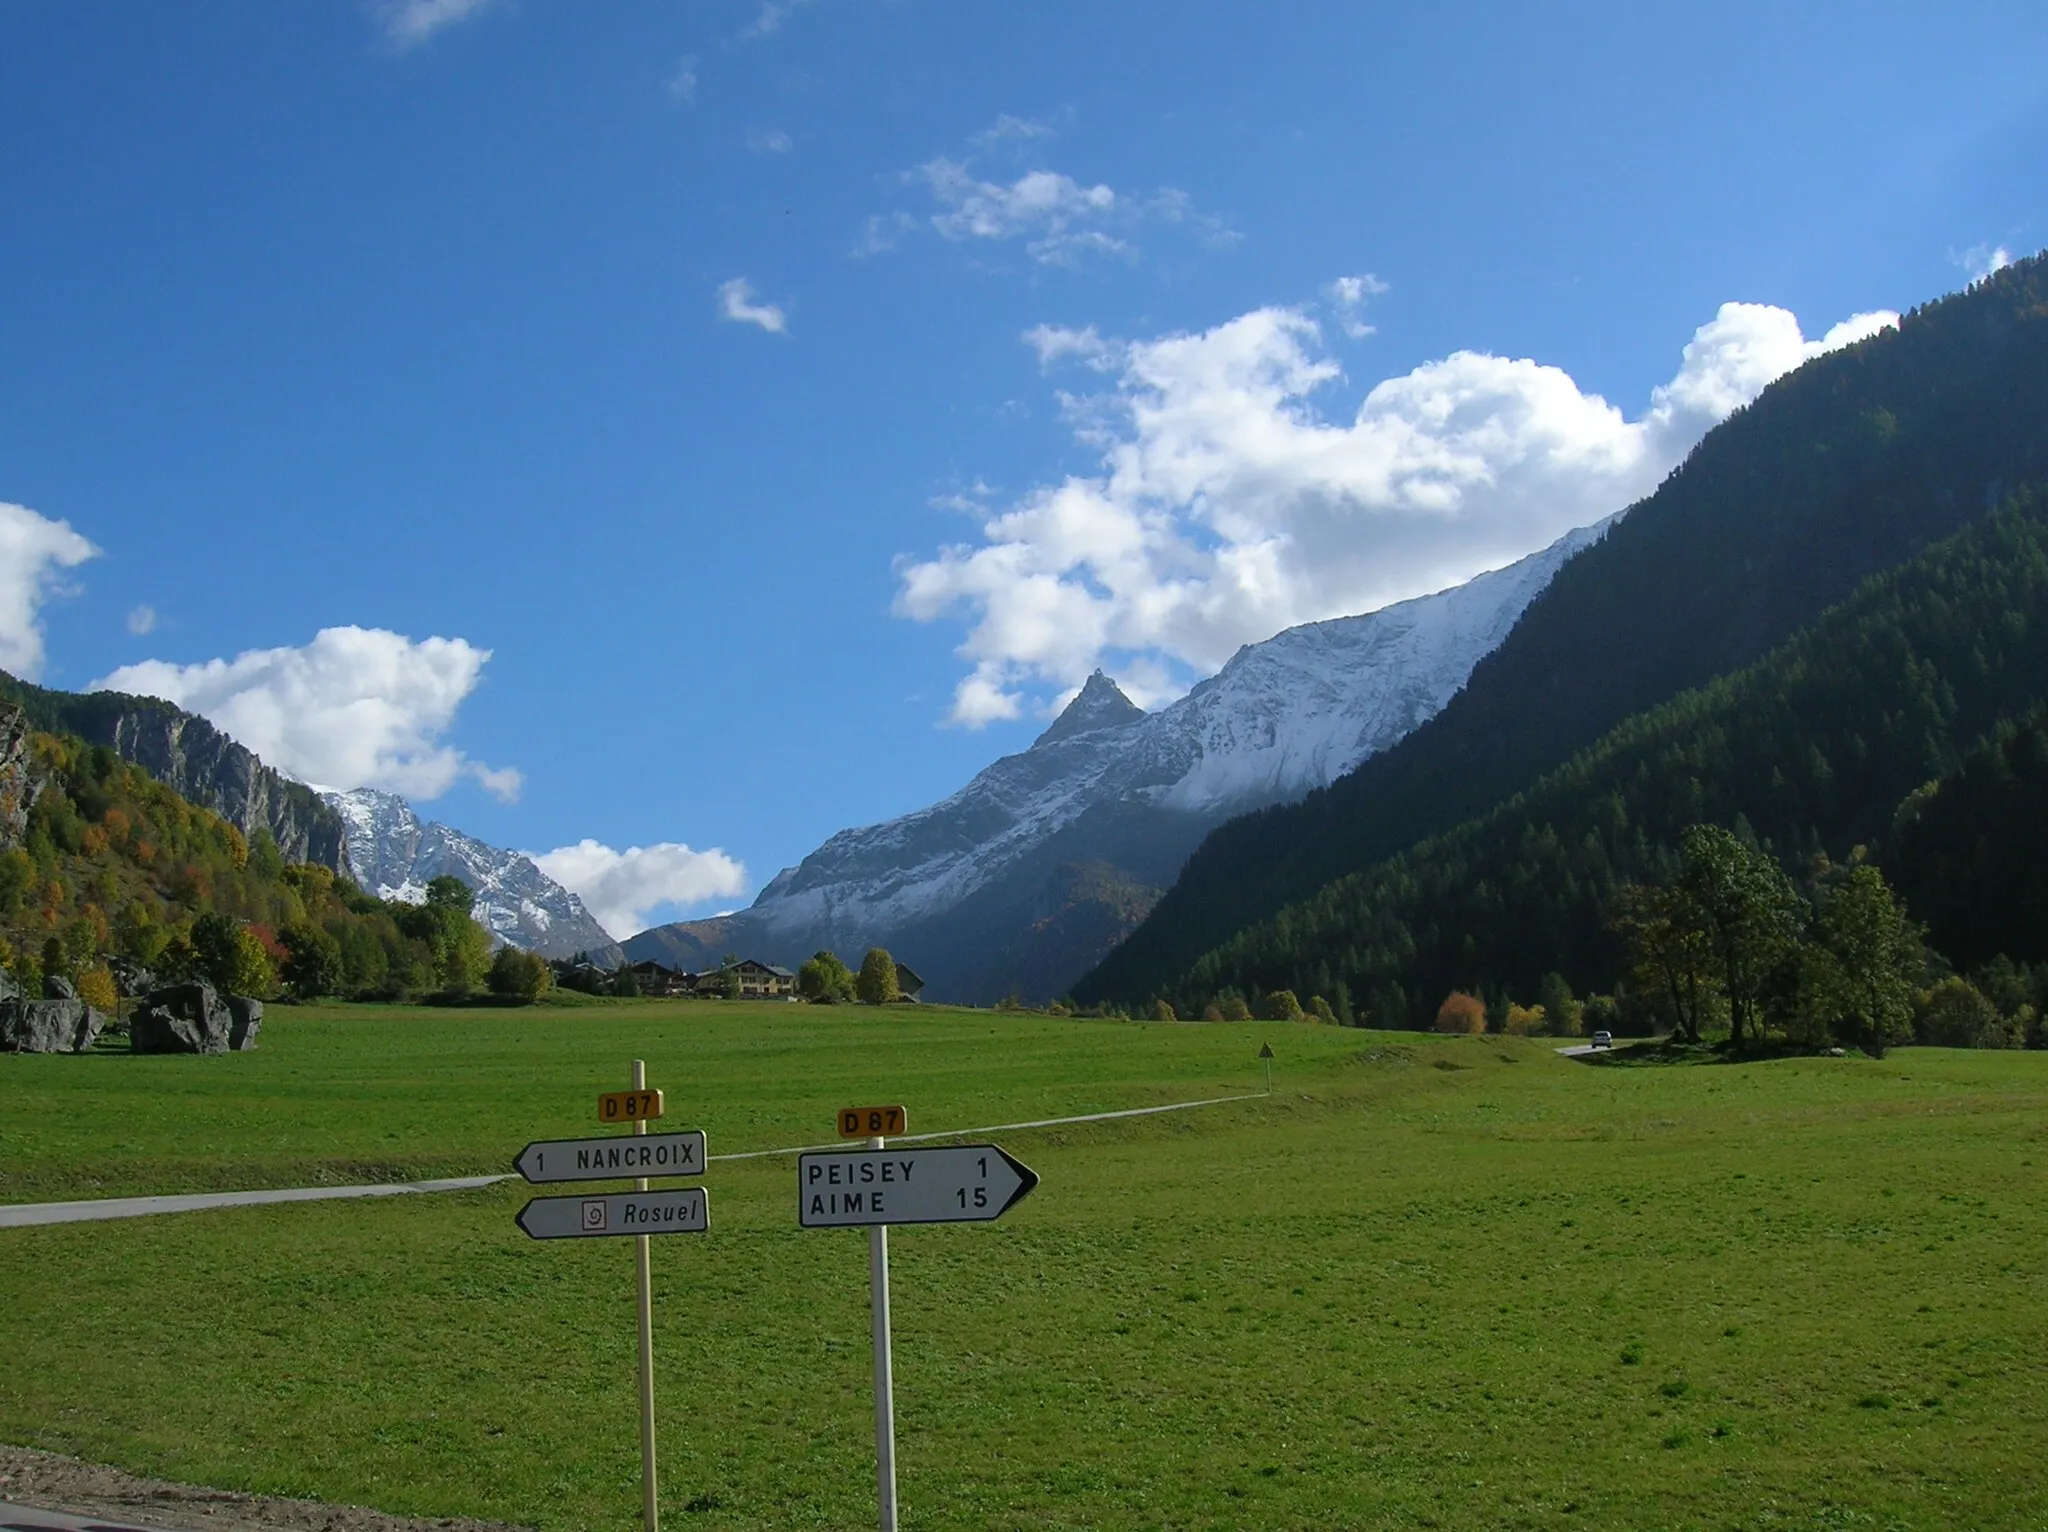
(1603, 1039)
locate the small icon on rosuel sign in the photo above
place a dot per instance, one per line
(594, 1213)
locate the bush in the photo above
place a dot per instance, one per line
(519, 976)
(1234, 1008)
(1162, 1010)
(1320, 1009)
(824, 980)
(1523, 1020)
(1461, 1014)
(1956, 1014)
(1282, 1006)
(97, 989)
(876, 982)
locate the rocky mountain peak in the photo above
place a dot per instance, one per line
(1100, 705)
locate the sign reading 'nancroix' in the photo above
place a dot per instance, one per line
(597, 1159)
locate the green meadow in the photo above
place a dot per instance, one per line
(1458, 1283)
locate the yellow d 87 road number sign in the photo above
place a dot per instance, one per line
(629, 1106)
(872, 1122)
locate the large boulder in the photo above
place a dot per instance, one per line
(245, 1019)
(9, 990)
(181, 1018)
(57, 987)
(130, 977)
(48, 1026)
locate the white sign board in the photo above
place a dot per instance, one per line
(599, 1159)
(678, 1212)
(966, 1183)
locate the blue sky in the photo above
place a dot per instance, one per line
(772, 410)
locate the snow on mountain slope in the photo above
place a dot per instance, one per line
(1281, 718)
(394, 854)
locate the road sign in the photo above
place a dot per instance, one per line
(629, 1106)
(598, 1159)
(966, 1183)
(872, 1122)
(687, 1211)
(1265, 1050)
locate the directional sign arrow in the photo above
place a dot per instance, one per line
(598, 1159)
(687, 1211)
(966, 1183)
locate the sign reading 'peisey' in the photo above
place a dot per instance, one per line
(964, 1183)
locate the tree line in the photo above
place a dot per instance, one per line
(1905, 722)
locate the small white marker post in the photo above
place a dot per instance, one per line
(650, 1507)
(885, 1367)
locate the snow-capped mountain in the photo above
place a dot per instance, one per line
(394, 854)
(981, 893)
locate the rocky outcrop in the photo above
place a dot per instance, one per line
(57, 987)
(193, 1018)
(48, 1026)
(195, 760)
(245, 1018)
(18, 784)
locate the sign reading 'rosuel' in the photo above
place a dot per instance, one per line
(964, 1183)
(596, 1159)
(687, 1211)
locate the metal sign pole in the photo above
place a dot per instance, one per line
(650, 1508)
(885, 1369)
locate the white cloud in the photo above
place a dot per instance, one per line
(1350, 294)
(1980, 261)
(1227, 506)
(1009, 129)
(142, 619)
(357, 707)
(408, 23)
(736, 302)
(1059, 220)
(621, 889)
(770, 18)
(774, 141)
(682, 84)
(1054, 343)
(32, 550)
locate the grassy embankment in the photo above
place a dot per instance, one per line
(1456, 1283)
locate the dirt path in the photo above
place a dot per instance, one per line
(44, 1478)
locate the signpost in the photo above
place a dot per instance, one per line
(877, 1186)
(593, 1159)
(640, 1213)
(1266, 1053)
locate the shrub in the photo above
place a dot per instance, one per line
(97, 989)
(1282, 1006)
(1461, 1014)
(519, 976)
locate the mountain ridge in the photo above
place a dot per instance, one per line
(1028, 873)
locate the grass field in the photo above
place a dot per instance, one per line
(1443, 1283)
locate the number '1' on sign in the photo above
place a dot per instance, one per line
(872, 1122)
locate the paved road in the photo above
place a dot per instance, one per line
(1580, 1050)
(21, 1214)
(26, 1518)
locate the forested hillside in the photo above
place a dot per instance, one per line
(1842, 469)
(1807, 754)
(1971, 851)
(108, 875)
